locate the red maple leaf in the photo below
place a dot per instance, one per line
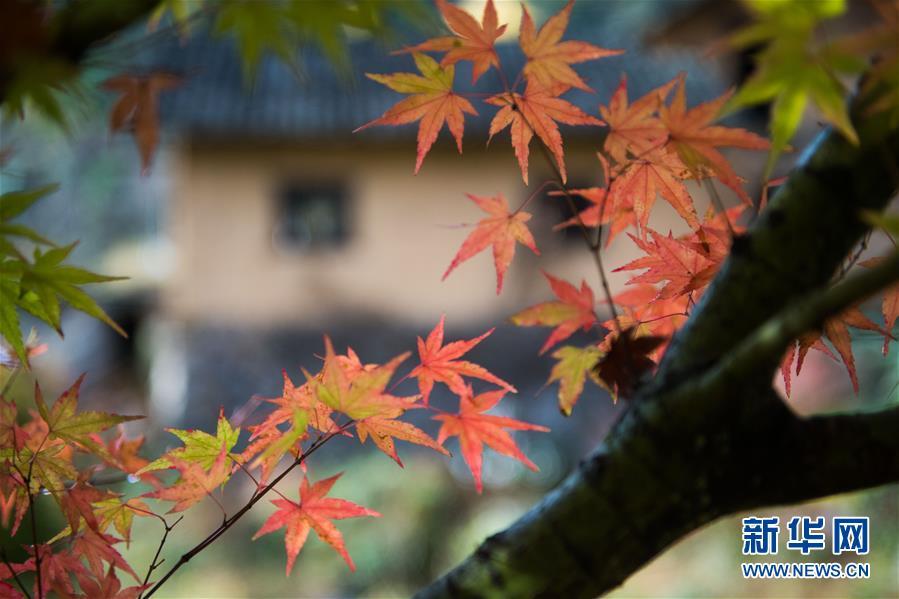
(634, 128)
(695, 140)
(472, 41)
(440, 363)
(549, 58)
(432, 102)
(475, 429)
(137, 108)
(501, 230)
(572, 311)
(536, 111)
(314, 511)
(889, 307)
(677, 263)
(836, 330)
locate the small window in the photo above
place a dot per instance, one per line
(311, 217)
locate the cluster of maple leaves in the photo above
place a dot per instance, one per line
(653, 147)
(43, 457)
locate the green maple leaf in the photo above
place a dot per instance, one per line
(792, 70)
(573, 367)
(67, 423)
(199, 446)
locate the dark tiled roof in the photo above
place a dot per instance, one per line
(322, 103)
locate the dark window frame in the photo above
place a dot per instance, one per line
(293, 198)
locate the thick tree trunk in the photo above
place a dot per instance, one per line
(708, 436)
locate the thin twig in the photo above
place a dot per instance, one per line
(156, 561)
(596, 253)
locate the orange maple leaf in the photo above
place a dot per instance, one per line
(536, 111)
(314, 511)
(695, 140)
(656, 173)
(549, 59)
(432, 102)
(137, 108)
(572, 311)
(634, 128)
(359, 393)
(440, 363)
(384, 432)
(501, 230)
(472, 41)
(474, 429)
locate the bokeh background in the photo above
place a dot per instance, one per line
(264, 222)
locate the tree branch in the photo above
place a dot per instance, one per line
(709, 436)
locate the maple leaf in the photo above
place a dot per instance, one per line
(357, 390)
(195, 482)
(440, 363)
(626, 361)
(676, 262)
(120, 515)
(572, 311)
(800, 348)
(384, 432)
(695, 140)
(794, 67)
(56, 568)
(359, 393)
(432, 102)
(298, 408)
(109, 587)
(837, 332)
(137, 108)
(836, 329)
(473, 42)
(650, 314)
(65, 422)
(501, 230)
(97, 549)
(313, 511)
(475, 429)
(634, 128)
(199, 447)
(573, 366)
(536, 111)
(890, 305)
(77, 504)
(549, 59)
(656, 173)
